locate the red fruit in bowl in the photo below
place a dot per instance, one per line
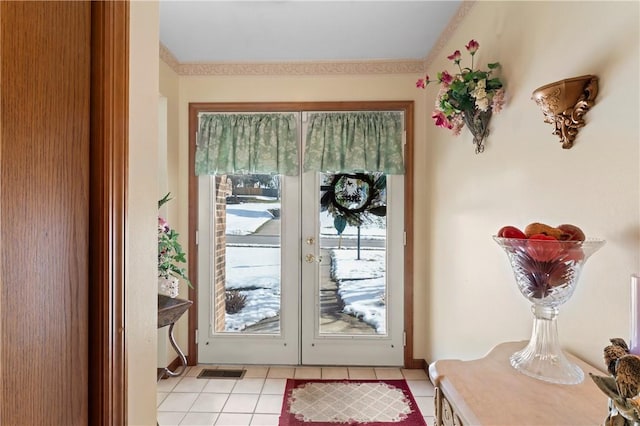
(542, 228)
(575, 254)
(543, 248)
(571, 232)
(559, 274)
(573, 251)
(543, 237)
(511, 232)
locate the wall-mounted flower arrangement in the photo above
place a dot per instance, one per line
(468, 97)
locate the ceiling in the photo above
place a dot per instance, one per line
(291, 31)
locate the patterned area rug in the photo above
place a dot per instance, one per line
(349, 402)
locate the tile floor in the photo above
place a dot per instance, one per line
(256, 399)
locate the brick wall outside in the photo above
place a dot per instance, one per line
(223, 189)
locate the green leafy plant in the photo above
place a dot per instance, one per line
(170, 253)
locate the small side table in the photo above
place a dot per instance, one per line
(488, 391)
(169, 311)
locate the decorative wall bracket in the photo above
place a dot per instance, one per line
(477, 122)
(565, 102)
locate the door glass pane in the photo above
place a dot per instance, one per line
(353, 233)
(247, 273)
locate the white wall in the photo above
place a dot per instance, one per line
(169, 88)
(525, 176)
(141, 239)
(168, 178)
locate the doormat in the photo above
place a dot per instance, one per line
(349, 402)
(221, 373)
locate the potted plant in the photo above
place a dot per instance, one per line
(170, 256)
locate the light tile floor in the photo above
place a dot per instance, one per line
(256, 399)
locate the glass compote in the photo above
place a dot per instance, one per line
(547, 273)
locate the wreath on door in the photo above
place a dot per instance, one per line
(351, 197)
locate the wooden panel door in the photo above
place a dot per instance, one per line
(44, 212)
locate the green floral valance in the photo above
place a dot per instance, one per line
(355, 141)
(247, 143)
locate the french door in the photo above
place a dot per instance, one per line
(301, 269)
(352, 279)
(248, 270)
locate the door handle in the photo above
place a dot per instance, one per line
(311, 258)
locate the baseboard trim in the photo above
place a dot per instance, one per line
(172, 366)
(417, 364)
(414, 364)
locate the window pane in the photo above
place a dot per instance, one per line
(353, 232)
(247, 255)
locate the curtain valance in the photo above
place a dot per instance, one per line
(355, 141)
(247, 143)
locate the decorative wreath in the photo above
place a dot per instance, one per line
(350, 198)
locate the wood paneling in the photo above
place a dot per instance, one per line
(44, 212)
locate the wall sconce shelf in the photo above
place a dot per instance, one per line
(565, 102)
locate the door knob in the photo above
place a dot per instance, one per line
(311, 258)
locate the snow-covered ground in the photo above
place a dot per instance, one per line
(361, 284)
(246, 218)
(255, 271)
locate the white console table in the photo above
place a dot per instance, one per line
(489, 391)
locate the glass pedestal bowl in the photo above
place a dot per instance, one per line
(547, 273)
